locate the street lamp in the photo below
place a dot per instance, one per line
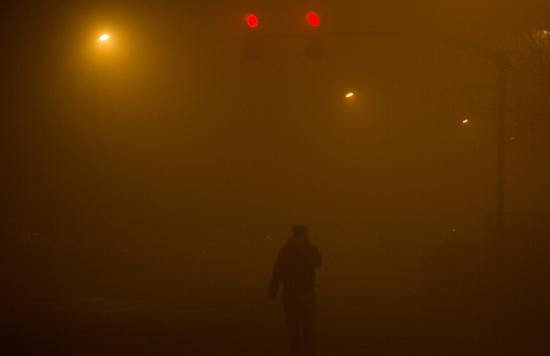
(104, 38)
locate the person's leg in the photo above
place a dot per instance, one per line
(309, 320)
(293, 328)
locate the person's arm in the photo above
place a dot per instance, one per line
(276, 277)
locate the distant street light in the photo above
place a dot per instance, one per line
(104, 38)
(350, 95)
(466, 121)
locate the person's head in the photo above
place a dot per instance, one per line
(300, 234)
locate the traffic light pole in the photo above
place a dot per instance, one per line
(501, 63)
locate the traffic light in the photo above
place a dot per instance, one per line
(252, 21)
(314, 39)
(253, 46)
(253, 36)
(313, 19)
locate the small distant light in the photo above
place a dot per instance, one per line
(466, 121)
(104, 37)
(252, 20)
(313, 19)
(546, 33)
(350, 95)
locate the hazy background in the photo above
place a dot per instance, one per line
(149, 186)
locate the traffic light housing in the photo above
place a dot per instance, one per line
(253, 37)
(315, 49)
(253, 43)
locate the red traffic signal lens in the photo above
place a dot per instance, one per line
(252, 21)
(313, 19)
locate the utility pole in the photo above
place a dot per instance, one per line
(501, 63)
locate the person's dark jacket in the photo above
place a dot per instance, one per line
(295, 270)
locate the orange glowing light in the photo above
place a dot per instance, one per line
(104, 38)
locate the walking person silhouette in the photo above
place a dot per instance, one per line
(295, 270)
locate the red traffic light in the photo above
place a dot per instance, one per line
(252, 21)
(313, 19)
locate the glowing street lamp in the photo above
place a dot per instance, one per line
(466, 121)
(104, 38)
(350, 95)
